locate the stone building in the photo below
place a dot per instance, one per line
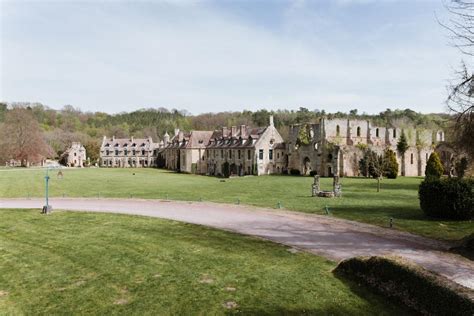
(186, 151)
(124, 152)
(74, 156)
(236, 150)
(335, 147)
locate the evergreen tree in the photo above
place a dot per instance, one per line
(402, 147)
(434, 168)
(391, 164)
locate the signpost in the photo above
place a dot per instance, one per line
(48, 208)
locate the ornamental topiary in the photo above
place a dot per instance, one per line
(434, 167)
(450, 198)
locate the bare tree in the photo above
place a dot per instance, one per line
(22, 138)
(460, 26)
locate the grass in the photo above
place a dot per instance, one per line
(398, 198)
(91, 263)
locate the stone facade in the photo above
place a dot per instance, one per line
(241, 150)
(74, 156)
(124, 152)
(335, 147)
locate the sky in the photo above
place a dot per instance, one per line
(209, 56)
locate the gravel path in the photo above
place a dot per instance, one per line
(332, 238)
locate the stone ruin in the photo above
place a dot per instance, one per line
(336, 191)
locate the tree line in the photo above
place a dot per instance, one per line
(49, 132)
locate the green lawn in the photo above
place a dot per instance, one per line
(360, 201)
(91, 263)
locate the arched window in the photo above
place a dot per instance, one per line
(338, 130)
(358, 131)
(394, 133)
(376, 132)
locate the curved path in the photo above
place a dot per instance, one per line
(333, 238)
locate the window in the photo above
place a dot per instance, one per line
(75, 154)
(230, 154)
(143, 153)
(426, 156)
(134, 152)
(270, 154)
(411, 158)
(248, 154)
(107, 152)
(278, 155)
(238, 153)
(125, 152)
(222, 153)
(377, 132)
(116, 153)
(358, 130)
(338, 130)
(260, 154)
(394, 133)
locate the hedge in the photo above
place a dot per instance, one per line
(410, 285)
(449, 198)
(295, 172)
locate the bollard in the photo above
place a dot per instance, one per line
(238, 201)
(391, 222)
(279, 204)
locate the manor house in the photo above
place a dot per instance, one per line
(124, 152)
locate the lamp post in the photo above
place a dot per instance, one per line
(47, 208)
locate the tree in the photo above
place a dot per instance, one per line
(461, 89)
(92, 150)
(22, 139)
(434, 167)
(402, 147)
(391, 164)
(373, 165)
(461, 167)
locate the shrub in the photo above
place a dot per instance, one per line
(312, 173)
(461, 167)
(434, 168)
(423, 291)
(295, 172)
(391, 164)
(450, 198)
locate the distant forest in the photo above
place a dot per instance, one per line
(61, 127)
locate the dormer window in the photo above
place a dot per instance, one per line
(107, 145)
(116, 145)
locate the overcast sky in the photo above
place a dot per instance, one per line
(208, 56)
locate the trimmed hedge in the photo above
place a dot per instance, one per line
(450, 198)
(410, 285)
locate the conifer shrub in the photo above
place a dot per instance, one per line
(434, 167)
(450, 198)
(391, 164)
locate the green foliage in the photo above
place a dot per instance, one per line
(362, 146)
(295, 172)
(303, 135)
(450, 198)
(461, 167)
(391, 164)
(402, 145)
(434, 167)
(410, 285)
(92, 151)
(371, 165)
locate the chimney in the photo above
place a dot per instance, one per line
(224, 131)
(243, 131)
(131, 139)
(113, 138)
(271, 120)
(233, 131)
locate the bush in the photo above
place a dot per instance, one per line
(295, 172)
(450, 198)
(312, 173)
(425, 292)
(391, 164)
(434, 168)
(461, 167)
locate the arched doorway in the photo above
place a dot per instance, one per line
(306, 166)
